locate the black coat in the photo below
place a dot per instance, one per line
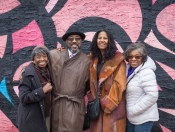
(31, 106)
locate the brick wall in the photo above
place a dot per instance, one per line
(26, 24)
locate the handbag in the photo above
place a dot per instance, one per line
(94, 108)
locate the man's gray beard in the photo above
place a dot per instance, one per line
(74, 51)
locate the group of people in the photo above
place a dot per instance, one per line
(53, 86)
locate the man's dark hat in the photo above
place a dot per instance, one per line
(73, 30)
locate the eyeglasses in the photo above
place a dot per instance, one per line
(72, 39)
(136, 57)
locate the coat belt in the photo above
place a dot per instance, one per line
(57, 96)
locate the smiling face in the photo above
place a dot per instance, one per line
(74, 43)
(41, 60)
(135, 58)
(102, 41)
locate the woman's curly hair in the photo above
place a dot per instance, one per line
(110, 50)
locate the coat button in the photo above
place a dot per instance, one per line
(41, 105)
(36, 93)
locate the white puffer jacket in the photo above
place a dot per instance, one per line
(142, 94)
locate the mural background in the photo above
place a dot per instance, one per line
(25, 24)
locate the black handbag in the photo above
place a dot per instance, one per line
(94, 108)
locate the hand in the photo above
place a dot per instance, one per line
(47, 88)
(61, 48)
(20, 74)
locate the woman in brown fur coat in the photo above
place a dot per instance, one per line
(108, 73)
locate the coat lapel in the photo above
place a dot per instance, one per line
(74, 58)
(109, 67)
(93, 77)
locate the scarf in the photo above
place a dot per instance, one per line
(44, 77)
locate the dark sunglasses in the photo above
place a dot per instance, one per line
(72, 39)
(136, 57)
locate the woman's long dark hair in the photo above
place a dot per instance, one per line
(110, 49)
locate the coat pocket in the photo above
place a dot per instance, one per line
(119, 112)
(26, 116)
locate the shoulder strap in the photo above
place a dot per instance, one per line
(130, 79)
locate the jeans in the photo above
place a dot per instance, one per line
(145, 127)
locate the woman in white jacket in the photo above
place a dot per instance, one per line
(142, 90)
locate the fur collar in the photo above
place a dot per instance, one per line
(107, 69)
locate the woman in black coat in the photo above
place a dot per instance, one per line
(34, 93)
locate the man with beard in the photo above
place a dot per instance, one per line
(70, 73)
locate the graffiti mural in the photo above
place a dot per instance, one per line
(25, 24)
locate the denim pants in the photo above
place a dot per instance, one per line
(145, 127)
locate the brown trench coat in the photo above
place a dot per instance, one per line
(113, 76)
(69, 78)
